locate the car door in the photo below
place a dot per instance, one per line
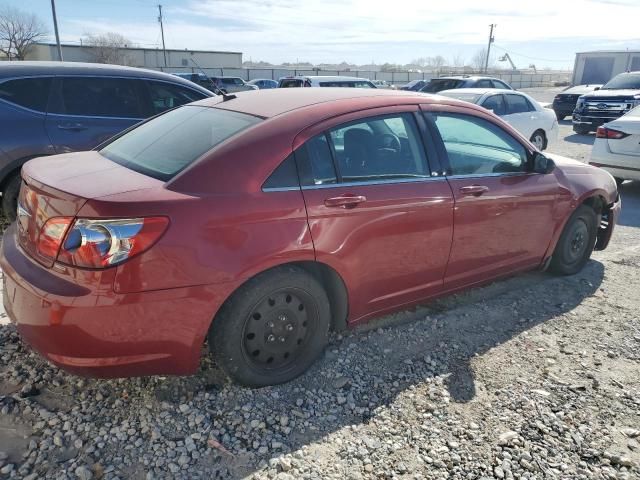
(503, 219)
(376, 213)
(85, 111)
(521, 115)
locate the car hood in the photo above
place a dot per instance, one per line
(568, 165)
(579, 90)
(612, 93)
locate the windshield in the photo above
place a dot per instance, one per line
(467, 97)
(167, 144)
(623, 81)
(439, 84)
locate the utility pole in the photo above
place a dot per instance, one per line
(55, 27)
(164, 50)
(491, 40)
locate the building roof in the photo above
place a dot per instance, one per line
(609, 51)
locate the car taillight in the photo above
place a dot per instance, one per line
(603, 132)
(92, 243)
(51, 235)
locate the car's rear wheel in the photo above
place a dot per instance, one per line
(539, 139)
(581, 129)
(10, 196)
(272, 329)
(576, 242)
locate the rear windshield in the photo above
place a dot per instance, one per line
(438, 85)
(165, 145)
(290, 83)
(347, 83)
(623, 81)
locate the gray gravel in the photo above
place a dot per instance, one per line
(529, 378)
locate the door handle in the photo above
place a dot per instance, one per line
(72, 126)
(345, 201)
(475, 190)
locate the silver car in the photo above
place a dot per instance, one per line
(233, 84)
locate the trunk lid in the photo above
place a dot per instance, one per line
(629, 145)
(59, 186)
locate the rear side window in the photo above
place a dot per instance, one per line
(165, 96)
(30, 93)
(499, 84)
(518, 104)
(100, 97)
(284, 176)
(315, 162)
(165, 145)
(437, 85)
(483, 84)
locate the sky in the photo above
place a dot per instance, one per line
(546, 33)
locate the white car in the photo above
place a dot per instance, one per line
(518, 109)
(324, 81)
(617, 147)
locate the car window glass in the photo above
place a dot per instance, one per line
(31, 93)
(315, 163)
(100, 97)
(165, 145)
(290, 83)
(517, 104)
(499, 84)
(495, 103)
(165, 96)
(284, 176)
(379, 148)
(437, 85)
(476, 146)
(483, 84)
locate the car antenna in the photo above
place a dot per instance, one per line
(228, 96)
(215, 90)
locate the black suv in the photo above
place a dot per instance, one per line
(614, 99)
(58, 107)
(436, 85)
(565, 102)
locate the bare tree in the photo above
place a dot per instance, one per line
(18, 32)
(479, 58)
(457, 60)
(438, 61)
(108, 47)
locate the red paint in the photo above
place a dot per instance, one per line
(394, 245)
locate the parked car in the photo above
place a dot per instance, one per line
(233, 84)
(324, 81)
(518, 109)
(262, 83)
(436, 85)
(263, 221)
(56, 107)
(199, 78)
(565, 102)
(413, 85)
(614, 99)
(616, 148)
(382, 84)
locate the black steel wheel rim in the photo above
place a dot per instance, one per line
(578, 241)
(278, 329)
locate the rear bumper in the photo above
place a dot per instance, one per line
(626, 167)
(87, 329)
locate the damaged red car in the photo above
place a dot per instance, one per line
(260, 222)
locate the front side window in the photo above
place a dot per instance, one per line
(478, 147)
(30, 93)
(518, 104)
(165, 96)
(165, 145)
(100, 97)
(379, 148)
(495, 103)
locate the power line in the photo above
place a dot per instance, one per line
(526, 56)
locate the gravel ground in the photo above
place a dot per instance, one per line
(534, 377)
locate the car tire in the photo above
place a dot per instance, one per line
(560, 116)
(10, 194)
(576, 243)
(539, 139)
(272, 329)
(581, 129)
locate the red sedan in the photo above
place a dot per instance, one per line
(262, 221)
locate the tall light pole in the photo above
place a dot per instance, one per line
(55, 28)
(491, 39)
(164, 50)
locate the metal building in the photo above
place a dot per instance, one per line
(601, 66)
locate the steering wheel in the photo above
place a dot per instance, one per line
(390, 143)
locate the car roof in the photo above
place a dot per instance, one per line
(333, 78)
(467, 77)
(483, 91)
(30, 68)
(277, 101)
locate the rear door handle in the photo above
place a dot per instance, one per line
(72, 126)
(345, 201)
(475, 190)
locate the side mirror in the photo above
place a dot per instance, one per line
(597, 88)
(542, 164)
